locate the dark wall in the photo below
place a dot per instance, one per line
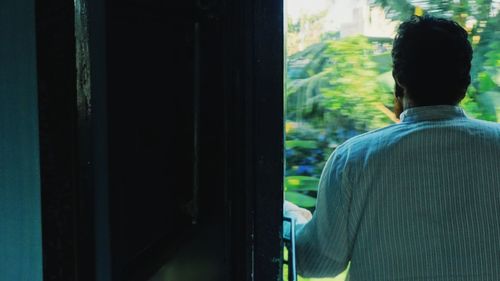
(20, 214)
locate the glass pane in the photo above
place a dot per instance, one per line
(339, 82)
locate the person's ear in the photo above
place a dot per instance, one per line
(399, 91)
(398, 88)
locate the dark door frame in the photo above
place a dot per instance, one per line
(64, 128)
(264, 113)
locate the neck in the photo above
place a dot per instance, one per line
(401, 104)
(407, 103)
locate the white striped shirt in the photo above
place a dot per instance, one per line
(417, 200)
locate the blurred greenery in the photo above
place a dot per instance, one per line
(337, 88)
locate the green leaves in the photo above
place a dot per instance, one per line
(301, 183)
(343, 77)
(289, 144)
(296, 188)
(302, 200)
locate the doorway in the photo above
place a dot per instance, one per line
(338, 81)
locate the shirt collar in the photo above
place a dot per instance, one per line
(433, 112)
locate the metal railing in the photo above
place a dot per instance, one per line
(289, 241)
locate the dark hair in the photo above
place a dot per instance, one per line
(432, 60)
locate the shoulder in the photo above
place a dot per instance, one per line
(486, 125)
(482, 129)
(357, 150)
(370, 139)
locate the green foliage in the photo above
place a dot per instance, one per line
(457, 10)
(340, 78)
(396, 9)
(485, 88)
(300, 199)
(301, 183)
(353, 89)
(301, 190)
(290, 144)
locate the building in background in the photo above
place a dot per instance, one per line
(310, 22)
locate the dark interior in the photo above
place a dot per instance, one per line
(160, 139)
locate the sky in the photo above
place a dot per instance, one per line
(341, 9)
(296, 7)
(341, 16)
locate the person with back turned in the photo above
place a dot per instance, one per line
(420, 199)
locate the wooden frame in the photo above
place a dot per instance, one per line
(64, 128)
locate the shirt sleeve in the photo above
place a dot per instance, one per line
(323, 245)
